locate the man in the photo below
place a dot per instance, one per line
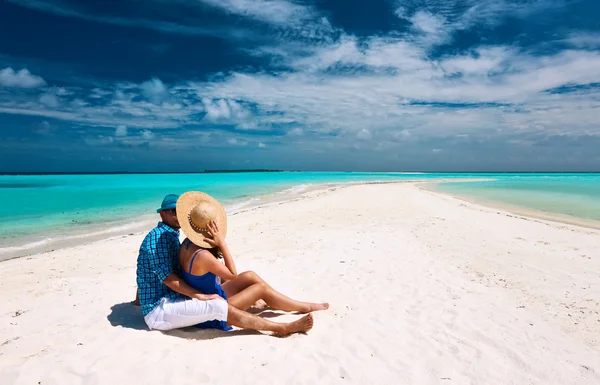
(168, 302)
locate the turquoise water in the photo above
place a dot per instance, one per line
(42, 208)
(573, 195)
(39, 208)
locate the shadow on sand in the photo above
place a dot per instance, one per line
(129, 316)
(193, 333)
(267, 313)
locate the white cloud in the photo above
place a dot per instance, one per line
(401, 12)
(384, 87)
(237, 141)
(49, 100)
(217, 109)
(103, 108)
(584, 40)
(297, 131)
(432, 27)
(20, 79)
(427, 22)
(248, 125)
(378, 53)
(488, 12)
(77, 103)
(271, 11)
(154, 89)
(439, 20)
(382, 101)
(120, 95)
(52, 97)
(364, 134)
(61, 91)
(147, 135)
(121, 130)
(261, 145)
(401, 135)
(482, 61)
(98, 93)
(223, 109)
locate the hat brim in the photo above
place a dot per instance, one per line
(186, 203)
(168, 207)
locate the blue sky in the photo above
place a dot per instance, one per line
(184, 85)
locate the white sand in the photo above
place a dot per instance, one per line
(424, 288)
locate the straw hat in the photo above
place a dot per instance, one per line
(195, 210)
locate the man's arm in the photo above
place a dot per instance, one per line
(176, 283)
(166, 249)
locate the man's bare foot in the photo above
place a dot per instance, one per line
(319, 306)
(303, 325)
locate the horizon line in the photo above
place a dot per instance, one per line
(225, 171)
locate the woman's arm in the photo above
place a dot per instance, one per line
(228, 271)
(228, 258)
(210, 263)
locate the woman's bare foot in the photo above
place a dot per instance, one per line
(319, 306)
(260, 305)
(302, 325)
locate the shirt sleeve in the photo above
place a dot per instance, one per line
(165, 250)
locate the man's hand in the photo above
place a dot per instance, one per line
(208, 297)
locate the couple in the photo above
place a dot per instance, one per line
(185, 285)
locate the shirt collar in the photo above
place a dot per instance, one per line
(166, 227)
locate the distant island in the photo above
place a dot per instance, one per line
(235, 171)
(138, 172)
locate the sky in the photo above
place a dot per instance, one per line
(377, 85)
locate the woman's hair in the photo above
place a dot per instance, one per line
(216, 252)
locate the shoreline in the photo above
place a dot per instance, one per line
(140, 224)
(523, 212)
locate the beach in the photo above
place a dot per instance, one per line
(424, 288)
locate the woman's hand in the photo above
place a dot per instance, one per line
(217, 237)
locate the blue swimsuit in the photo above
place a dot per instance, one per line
(206, 284)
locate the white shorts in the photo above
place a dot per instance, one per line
(179, 313)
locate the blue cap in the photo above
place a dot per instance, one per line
(169, 202)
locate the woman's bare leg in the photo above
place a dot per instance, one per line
(248, 279)
(241, 282)
(246, 298)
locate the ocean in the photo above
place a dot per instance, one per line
(42, 212)
(569, 197)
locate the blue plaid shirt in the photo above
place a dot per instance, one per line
(158, 257)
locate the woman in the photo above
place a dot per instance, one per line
(204, 222)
